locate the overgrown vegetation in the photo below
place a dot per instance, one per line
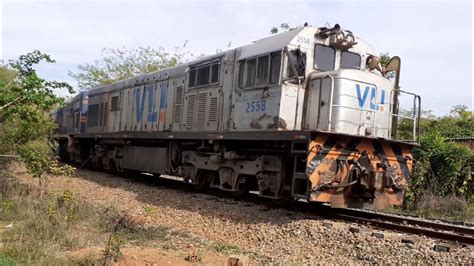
(443, 171)
(37, 228)
(26, 104)
(42, 229)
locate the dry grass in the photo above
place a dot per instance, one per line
(44, 229)
(451, 208)
(41, 228)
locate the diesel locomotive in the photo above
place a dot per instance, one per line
(307, 114)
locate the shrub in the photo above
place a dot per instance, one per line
(442, 167)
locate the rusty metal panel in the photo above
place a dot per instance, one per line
(257, 109)
(146, 159)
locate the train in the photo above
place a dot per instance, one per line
(309, 114)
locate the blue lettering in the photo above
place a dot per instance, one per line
(373, 99)
(362, 98)
(139, 105)
(152, 116)
(164, 96)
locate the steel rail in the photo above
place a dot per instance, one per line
(407, 220)
(432, 229)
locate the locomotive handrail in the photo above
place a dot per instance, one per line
(416, 113)
(331, 96)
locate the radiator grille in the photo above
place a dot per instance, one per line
(213, 110)
(191, 112)
(201, 112)
(178, 105)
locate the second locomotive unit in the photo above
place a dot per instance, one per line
(308, 114)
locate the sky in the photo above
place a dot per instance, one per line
(434, 39)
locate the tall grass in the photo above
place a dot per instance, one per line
(41, 228)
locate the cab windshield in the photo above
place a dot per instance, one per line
(325, 59)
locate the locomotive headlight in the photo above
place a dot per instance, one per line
(350, 38)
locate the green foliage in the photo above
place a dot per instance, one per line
(284, 27)
(112, 250)
(119, 64)
(459, 122)
(26, 101)
(442, 167)
(227, 248)
(384, 58)
(6, 260)
(149, 209)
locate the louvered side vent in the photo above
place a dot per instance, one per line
(201, 111)
(191, 112)
(213, 110)
(178, 105)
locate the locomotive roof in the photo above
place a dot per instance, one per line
(269, 44)
(272, 43)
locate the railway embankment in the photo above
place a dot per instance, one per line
(182, 226)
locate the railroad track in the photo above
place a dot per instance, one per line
(452, 233)
(447, 232)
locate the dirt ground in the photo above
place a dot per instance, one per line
(210, 230)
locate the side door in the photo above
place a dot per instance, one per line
(317, 109)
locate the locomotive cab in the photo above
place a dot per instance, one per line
(347, 92)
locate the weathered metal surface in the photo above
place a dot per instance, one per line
(146, 159)
(355, 170)
(271, 91)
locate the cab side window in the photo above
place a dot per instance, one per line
(350, 60)
(275, 68)
(259, 71)
(324, 58)
(203, 75)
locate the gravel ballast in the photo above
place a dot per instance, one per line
(268, 235)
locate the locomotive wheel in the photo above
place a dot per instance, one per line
(243, 190)
(203, 179)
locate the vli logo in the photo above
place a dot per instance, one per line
(362, 97)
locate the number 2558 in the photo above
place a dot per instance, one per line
(255, 106)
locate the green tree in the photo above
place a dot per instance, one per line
(119, 64)
(284, 27)
(443, 167)
(26, 103)
(458, 123)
